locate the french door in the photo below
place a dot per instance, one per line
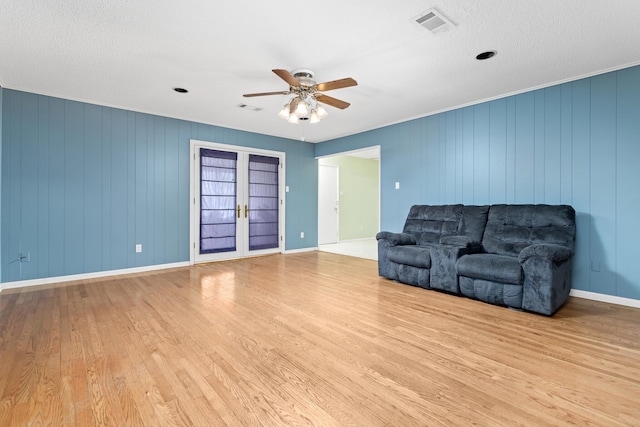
(237, 202)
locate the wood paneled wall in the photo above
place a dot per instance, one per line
(82, 184)
(576, 143)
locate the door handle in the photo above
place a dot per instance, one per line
(246, 211)
(238, 211)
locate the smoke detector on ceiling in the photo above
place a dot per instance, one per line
(434, 21)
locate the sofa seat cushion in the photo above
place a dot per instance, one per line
(495, 268)
(416, 256)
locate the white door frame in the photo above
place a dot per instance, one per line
(346, 153)
(194, 181)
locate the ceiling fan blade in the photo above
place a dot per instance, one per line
(334, 102)
(336, 84)
(287, 77)
(282, 92)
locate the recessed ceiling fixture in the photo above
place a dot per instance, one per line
(307, 96)
(180, 90)
(486, 55)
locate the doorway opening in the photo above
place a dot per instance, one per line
(349, 202)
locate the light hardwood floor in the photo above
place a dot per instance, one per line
(306, 339)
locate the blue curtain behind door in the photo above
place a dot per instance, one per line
(263, 202)
(218, 177)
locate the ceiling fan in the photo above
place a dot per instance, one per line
(305, 104)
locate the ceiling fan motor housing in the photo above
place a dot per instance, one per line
(304, 76)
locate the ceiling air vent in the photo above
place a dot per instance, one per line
(434, 21)
(249, 107)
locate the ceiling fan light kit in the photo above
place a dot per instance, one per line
(305, 104)
(303, 108)
(293, 119)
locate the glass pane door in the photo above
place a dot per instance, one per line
(237, 198)
(263, 202)
(218, 177)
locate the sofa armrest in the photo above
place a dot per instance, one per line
(396, 239)
(387, 240)
(460, 241)
(547, 251)
(547, 277)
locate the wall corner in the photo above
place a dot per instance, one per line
(1, 195)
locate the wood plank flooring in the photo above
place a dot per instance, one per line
(306, 339)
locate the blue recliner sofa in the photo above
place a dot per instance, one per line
(518, 256)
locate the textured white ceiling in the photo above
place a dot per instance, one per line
(130, 54)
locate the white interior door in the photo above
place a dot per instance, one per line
(238, 202)
(328, 204)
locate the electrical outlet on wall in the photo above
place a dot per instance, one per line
(138, 248)
(302, 234)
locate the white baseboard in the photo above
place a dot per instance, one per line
(361, 239)
(605, 298)
(297, 251)
(84, 276)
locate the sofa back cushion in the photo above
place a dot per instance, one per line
(429, 223)
(511, 228)
(474, 221)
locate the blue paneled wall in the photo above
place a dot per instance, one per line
(576, 143)
(82, 184)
